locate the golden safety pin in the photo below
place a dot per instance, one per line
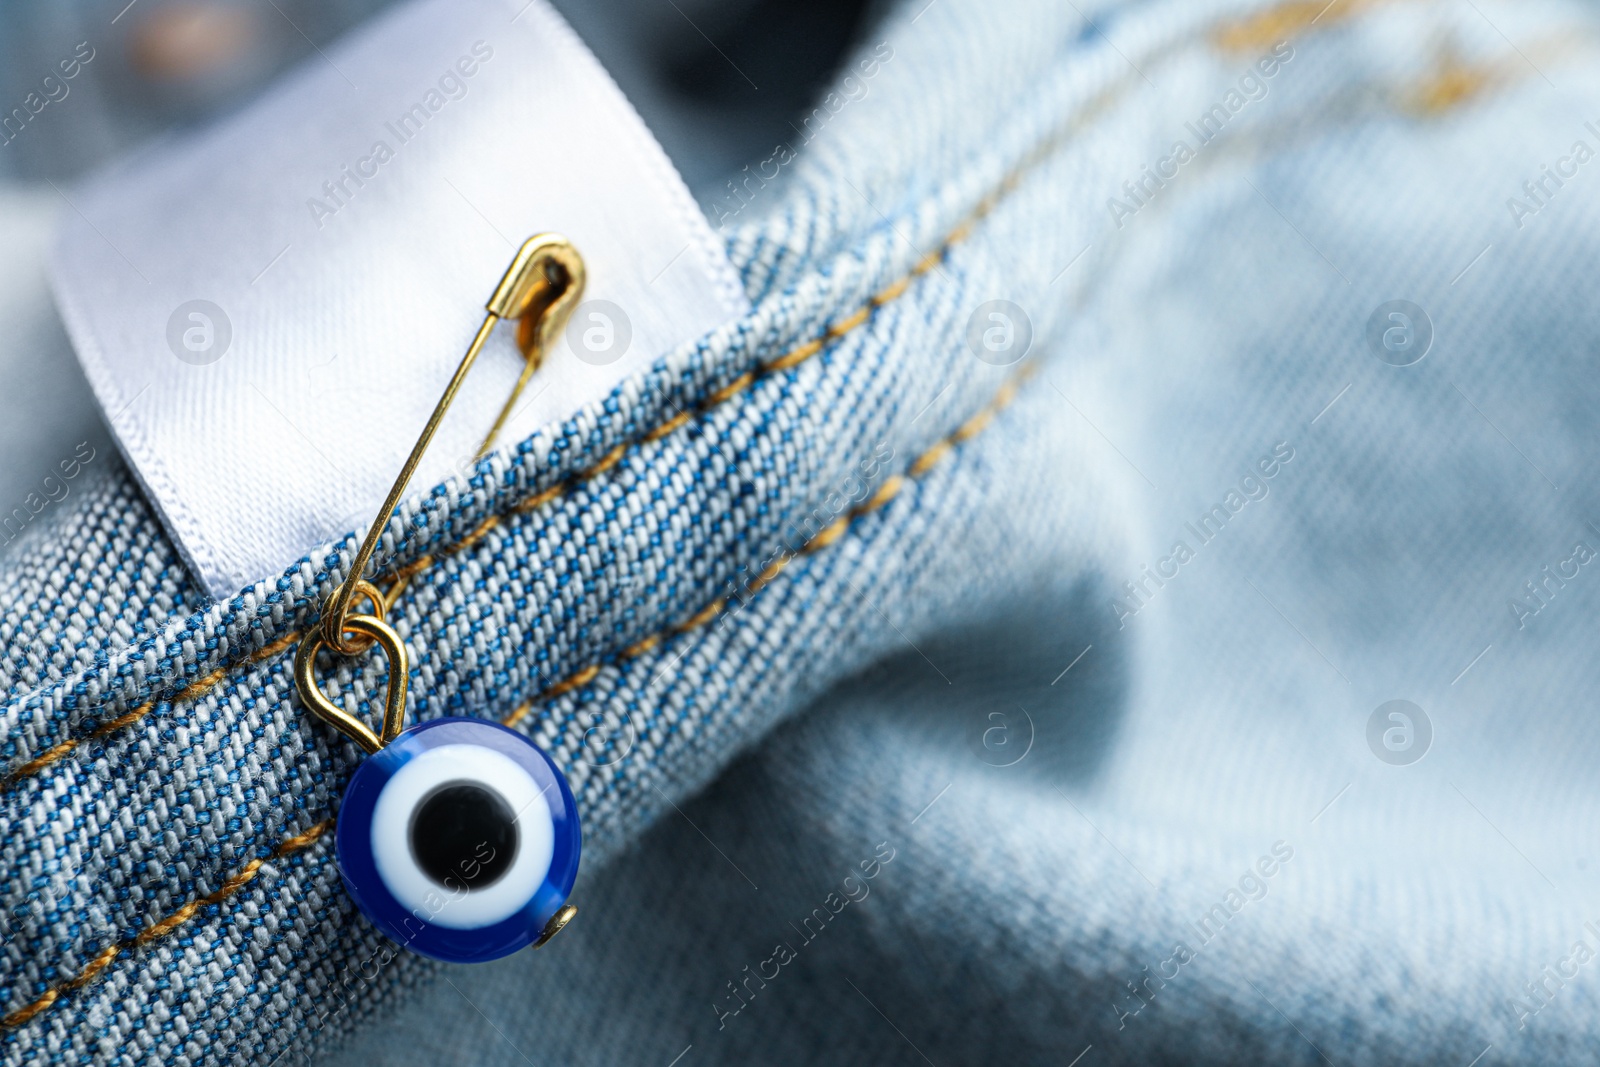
(540, 288)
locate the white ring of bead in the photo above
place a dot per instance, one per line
(461, 908)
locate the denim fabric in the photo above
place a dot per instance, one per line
(168, 867)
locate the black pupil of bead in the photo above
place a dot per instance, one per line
(464, 836)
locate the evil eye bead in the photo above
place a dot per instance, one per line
(459, 839)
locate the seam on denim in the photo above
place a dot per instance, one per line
(794, 357)
(403, 576)
(197, 688)
(1277, 22)
(164, 926)
(887, 491)
(890, 488)
(1281, 19)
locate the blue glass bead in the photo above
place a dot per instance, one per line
(459, 840)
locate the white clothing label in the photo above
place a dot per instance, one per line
(269, 309)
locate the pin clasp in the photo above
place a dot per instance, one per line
(540, 289)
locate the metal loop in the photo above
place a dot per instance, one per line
(394, 709)
(359, 643)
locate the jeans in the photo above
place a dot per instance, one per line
(933, 490)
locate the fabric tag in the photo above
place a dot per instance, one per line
(269, 309)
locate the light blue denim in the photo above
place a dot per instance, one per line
(1061, 792)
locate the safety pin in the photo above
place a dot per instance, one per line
(540, 288)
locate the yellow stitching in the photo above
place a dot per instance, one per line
(926, 461)
(391, 595)
(1277, 24)
(472, 538)
(929, 261)
(769, 572)
(733, 388)
(640, 647)
(414, 568)
(667, 427)
(891, 488)
(162, 927)
(886, 492)
(701, 617)
(199, 687)
(1453, 82)
(972, 427)
(890, 292)
(844, 326)
(582, 677)
(827, 535)
(1289, 13)
(538, 500)
(796, 356)
(607, 461)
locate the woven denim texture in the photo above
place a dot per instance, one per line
(129, 828)
(1008, 134)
